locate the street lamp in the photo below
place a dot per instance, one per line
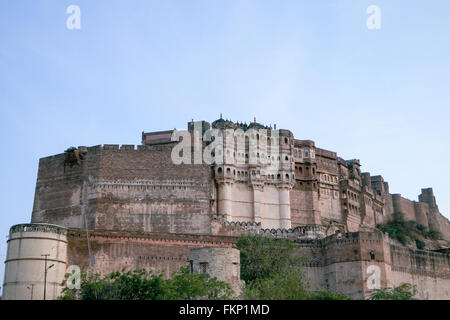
(45, 272)
(31, 287)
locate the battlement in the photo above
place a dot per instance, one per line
(304, 143)
(326, 153)
(37, 227)
(149, 161)
(145, 211)
(299, 232)
(157, 137)
(127, 147)
(378, 178)
(427, 196)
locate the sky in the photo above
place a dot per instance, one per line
(313, 67)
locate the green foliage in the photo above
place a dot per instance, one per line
(187, 286)
(145, 285)
(273, 270)
(263, 257)
(326, 294)
(420, 244)
(404, 291)
(71, 149)
(432, 234)
(288, 285)
(403, 230)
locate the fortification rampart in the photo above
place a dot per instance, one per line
(124, 188)
(114, 250)
(143, 210)
(424, 212)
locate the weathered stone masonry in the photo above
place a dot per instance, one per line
(132, 207)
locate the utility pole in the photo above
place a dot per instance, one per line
(45, 272)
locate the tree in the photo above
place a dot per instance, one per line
(263, 257)
(287, 285)
(145, 285)
(273, 270)
(404, 291)
(188, 286)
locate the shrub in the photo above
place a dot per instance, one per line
(404, 291)
(420, 244)
(273, 270)
(402, 230)
(263, 257)
(144, 285)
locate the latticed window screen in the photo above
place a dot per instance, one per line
(203, 267)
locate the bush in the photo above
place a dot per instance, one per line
(273, 270)
(326, 294)
(405, 291)
(403, 231)
(188, 286)
(71, 149)
(263, 257)
(288, 285)
(432, 234)
(144, 285)
(420, 244)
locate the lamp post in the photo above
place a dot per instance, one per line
(45, 272)
(31, 287)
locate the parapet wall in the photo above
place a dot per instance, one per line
(114, 250)
(429, 271)
(221, 226)
(124, 188)
(424, 212)
(343, 263)
(346, 264)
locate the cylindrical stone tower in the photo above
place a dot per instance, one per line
(35, 262)
(285, 207)
(225, 199)
(222, 263)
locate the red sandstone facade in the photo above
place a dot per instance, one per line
(129, 206)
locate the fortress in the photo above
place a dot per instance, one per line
(164, 204)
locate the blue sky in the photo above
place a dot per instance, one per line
(309, 66)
